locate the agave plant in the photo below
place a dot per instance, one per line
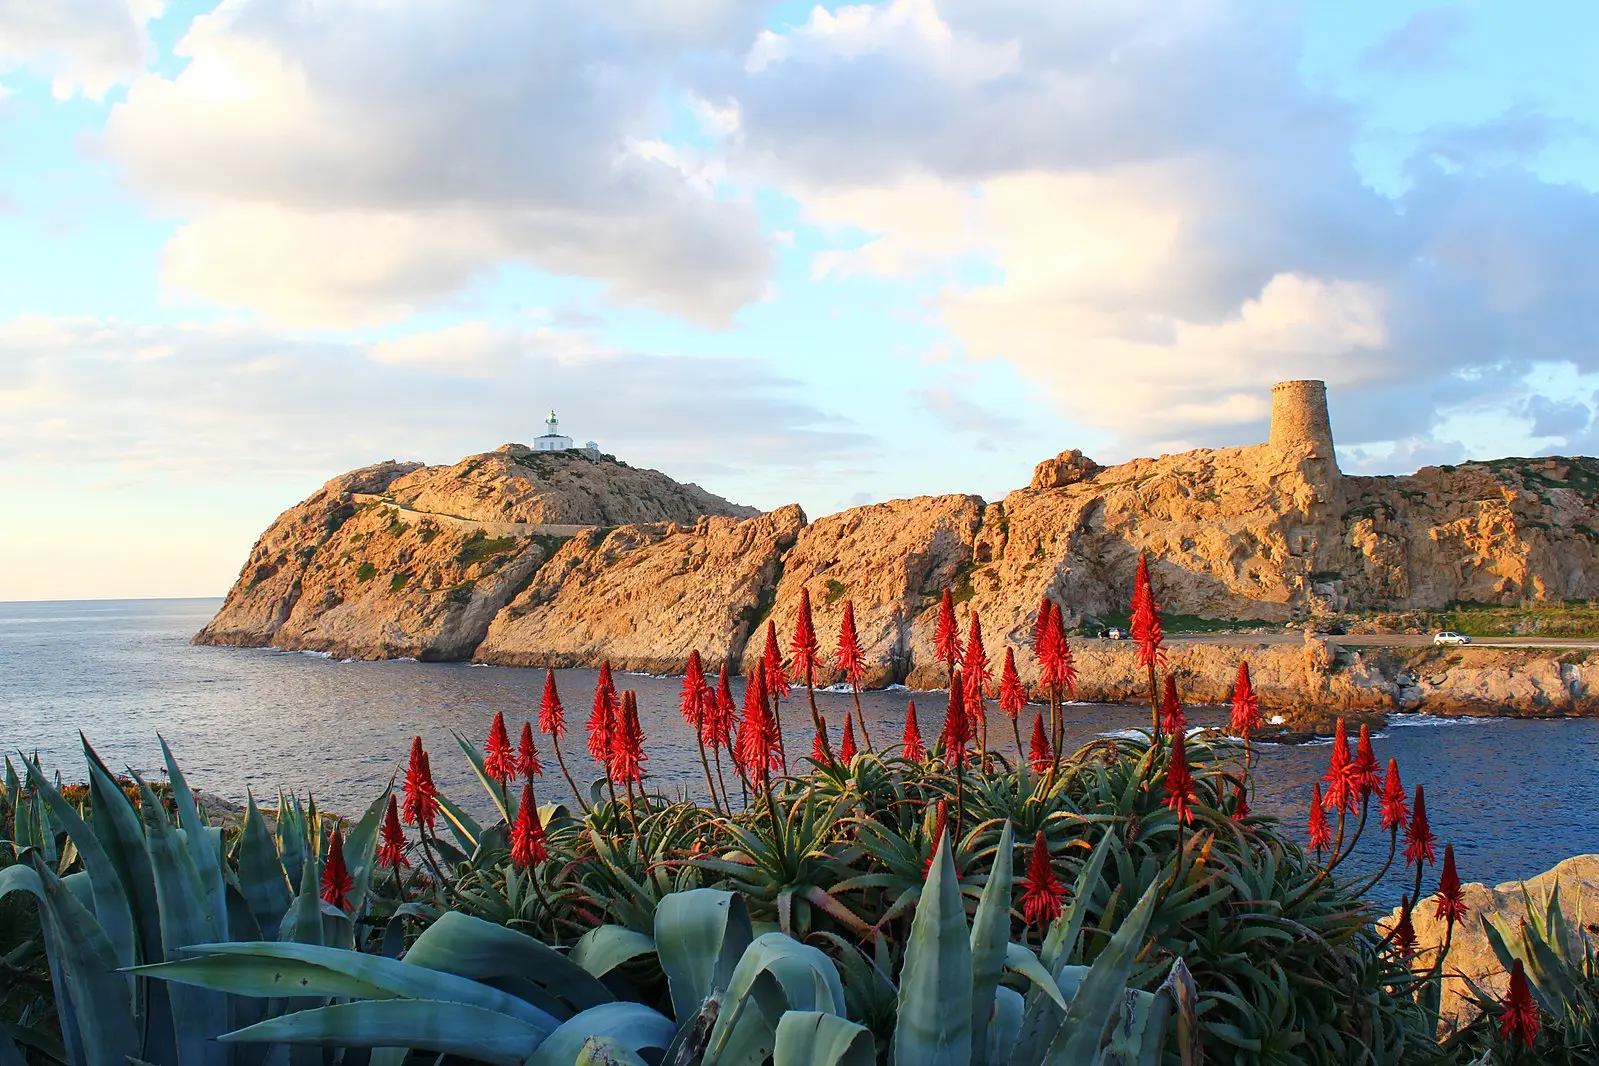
(148, 885)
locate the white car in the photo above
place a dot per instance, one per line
(1447, 637)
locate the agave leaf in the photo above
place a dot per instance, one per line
(462, 825)
(361, 847)
(482, 951)
(396, 978)
(1005, 1026)
(110, 901)
(815, 1038)
(990, 938)
(776, 974)
(1020, 960)
(291, 834)
(429, 1025)
(207, 856)
(495, 790)
(97, 1016)
(605, 947)
(631, 1026)
(244, 975)
(1098, 1001)
(262, 878)
(700, 936)
(935, 985)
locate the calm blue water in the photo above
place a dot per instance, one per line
(1513, 796)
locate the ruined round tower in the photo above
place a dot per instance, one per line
(1299, 417)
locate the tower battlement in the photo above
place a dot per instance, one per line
(1299, 417)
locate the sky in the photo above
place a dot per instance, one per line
(828, 254)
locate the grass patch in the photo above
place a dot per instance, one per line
(396, 527)
(398, 581)
(480, 546)
(428, 531)
(835, 589)
(1574, 618)
(365, 572)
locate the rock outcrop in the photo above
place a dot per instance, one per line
(1471, 956)
(479, 558)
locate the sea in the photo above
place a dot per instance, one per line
(1513, 795)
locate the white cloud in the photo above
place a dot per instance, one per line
(84, 46)
(1167, 218)
(342, 164)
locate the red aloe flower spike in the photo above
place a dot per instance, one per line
(692, 703)
(756, 748)
(1038, 752)
(527, 756)
(1047, 639)
(1364, 771)
(421, 798)
(1043, 632)
(819, 742)
(391, 852)
(850, 659)
(1395, 811)
(975, 659)
(527, 835)
(939, 828)
(1172, 719)
(776, 681)
(721, 721)
(1011, 697)
(1451, 901)
(1146, 618)
(1240, 803)
(1062, 674)
(1179, 781)
(498, 762)
(552, 716)
(1320, 833)
(1246, 706)
(1405, 930)
(956, 725)
(602, 716)
(337, 883)
(1419, 841)
(1042, 891)
(1340, 777)
(846, 748)
(1520, 1020)
(947, 642)
(911, 745)
(804, 647)
(627, 744)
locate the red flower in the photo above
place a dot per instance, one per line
(602, 716)
(804, 646)
(1240, 803)
(1394, 808)
(1405, 930)
(772, 665)
(1364, 770)
(1419, 841)
(939, 827)
(1146, 618)
(911, 743)
(391, 852)
(1179, 782)
(1038, 752)
(1340, 776)
(720, 726)
(957, 727)
(337, 883)
(552, 716)
(421, 798)
(1246, 706)
(1055, 666)
(498, 762)
(527, 756)
(1451, 901)
(978, 673)
(1011, 697)
(1042, 891)
(819, 742)
(849, 657)
(1520, 1020)
(1043, 632)
(1320, 834)
(692, 702)
(756, 747)
(1172, 719)
(627, 744)
(527, 835)
(847, 749)
(947, 642)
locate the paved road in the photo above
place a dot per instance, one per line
(1295, 636)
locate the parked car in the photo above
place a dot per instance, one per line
(1449, 637)
(1113, 633)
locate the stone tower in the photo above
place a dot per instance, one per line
(1299, 417)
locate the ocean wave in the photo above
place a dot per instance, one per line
(314, 654)
(1413, 720)
(1143, 734)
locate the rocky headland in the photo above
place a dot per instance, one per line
(532, 559)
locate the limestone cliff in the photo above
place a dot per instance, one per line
(512, 557)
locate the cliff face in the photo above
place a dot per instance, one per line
(451, 562)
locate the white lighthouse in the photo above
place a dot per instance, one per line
(552, 441)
